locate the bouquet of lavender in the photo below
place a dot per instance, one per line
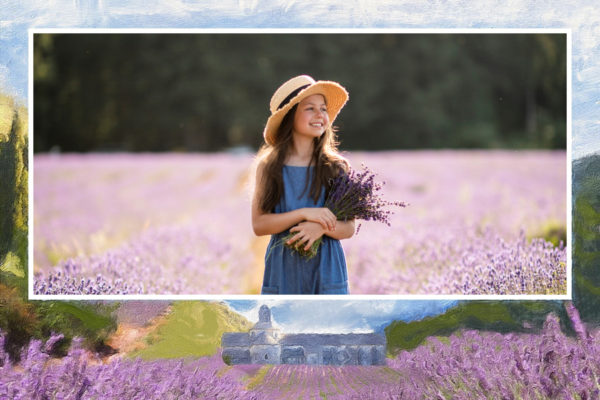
(352, 196)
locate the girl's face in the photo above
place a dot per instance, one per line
(311, 118)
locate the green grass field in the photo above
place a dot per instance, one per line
(191, 329)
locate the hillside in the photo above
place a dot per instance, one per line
(190, 329)
(507, 316)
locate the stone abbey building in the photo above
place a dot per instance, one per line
(265, 344)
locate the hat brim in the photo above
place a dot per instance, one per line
(335, 96)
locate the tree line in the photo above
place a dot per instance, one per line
(209, 92)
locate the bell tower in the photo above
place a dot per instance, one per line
(264, 339)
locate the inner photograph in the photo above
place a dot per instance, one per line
(299, 163)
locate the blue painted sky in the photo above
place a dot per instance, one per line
(582, 17)
(339, 316)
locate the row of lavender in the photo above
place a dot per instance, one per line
(469, 225)
(157, 224)
(181, 224)
(469, 364)
(81, 376)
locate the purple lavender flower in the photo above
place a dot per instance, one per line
(578, 325)
(355, 195)
(51, 343)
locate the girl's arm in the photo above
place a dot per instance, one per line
(343, 230)
(271, 223)
(308, 232)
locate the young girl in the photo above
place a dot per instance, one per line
(294, 169)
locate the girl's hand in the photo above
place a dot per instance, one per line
(321, 215)
(308, 232)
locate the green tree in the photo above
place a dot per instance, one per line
(586, 237)
(20, 319)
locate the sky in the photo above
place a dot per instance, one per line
(582, 17)
(339, 316)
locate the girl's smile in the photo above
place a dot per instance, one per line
(311, 118)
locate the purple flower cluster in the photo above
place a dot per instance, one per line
(468, 213)
(354, 195)
(474, 364)
(357, 196)
(80, 375)
(180, 223)
(52, 342)
(321, 381)
(141, 224)
(492, 265)
(140, 266)
(467, 365)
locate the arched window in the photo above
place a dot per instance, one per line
(266, 357)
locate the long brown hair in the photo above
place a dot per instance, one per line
(326, 159)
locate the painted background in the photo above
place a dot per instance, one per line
(581, 17)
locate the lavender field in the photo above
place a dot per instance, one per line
(467, 365)
(479, 222)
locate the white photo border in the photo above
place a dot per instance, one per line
(256, 297)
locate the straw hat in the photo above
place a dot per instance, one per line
(293, 92)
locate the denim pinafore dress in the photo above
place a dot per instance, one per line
(286, 272)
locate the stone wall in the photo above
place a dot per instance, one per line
(314, 355)
(265, 354)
